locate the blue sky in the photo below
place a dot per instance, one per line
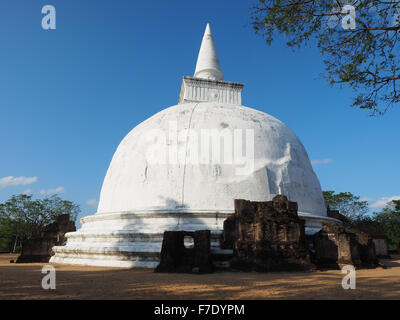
(68, 96)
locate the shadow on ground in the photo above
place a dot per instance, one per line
(23, 281)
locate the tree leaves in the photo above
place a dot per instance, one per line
(347, 204)
(23, 217)
(366, 58)
(389, 220)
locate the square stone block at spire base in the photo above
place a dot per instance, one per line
(206, 90)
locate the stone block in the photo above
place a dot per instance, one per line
(336, 246)
(267, 236)
(39, 249)
(176, 258)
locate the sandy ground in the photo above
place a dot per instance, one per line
(23, 281)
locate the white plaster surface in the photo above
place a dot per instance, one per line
(208, 65)
(281, 166)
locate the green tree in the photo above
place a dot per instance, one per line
(22, 217)
(366, 57)
(347, 204)
(389, 221)
(6, 239)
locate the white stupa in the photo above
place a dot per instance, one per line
(182, 168)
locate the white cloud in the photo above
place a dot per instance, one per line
(16, 181)
(92, 202)
(322, 161)
(28, 191)
(367, 199)
(52, 191)
(380, 203)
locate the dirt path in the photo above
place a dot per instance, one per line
(23, 281)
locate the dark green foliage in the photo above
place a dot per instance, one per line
(389, 221)
(22, 217)
(366, 58)
(347, 204)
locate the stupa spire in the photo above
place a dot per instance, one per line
(207, 84)
(208, 66)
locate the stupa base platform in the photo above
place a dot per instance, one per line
(134, 240)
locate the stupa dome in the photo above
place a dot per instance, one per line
(278, 163)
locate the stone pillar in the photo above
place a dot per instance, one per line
(175, 257)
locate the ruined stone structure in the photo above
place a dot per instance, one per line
(178, 255)
(267, 236)
(379, 238)
(270, 236)
(39, 249)
(335, 214)
(336, 246)
(369, 227)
